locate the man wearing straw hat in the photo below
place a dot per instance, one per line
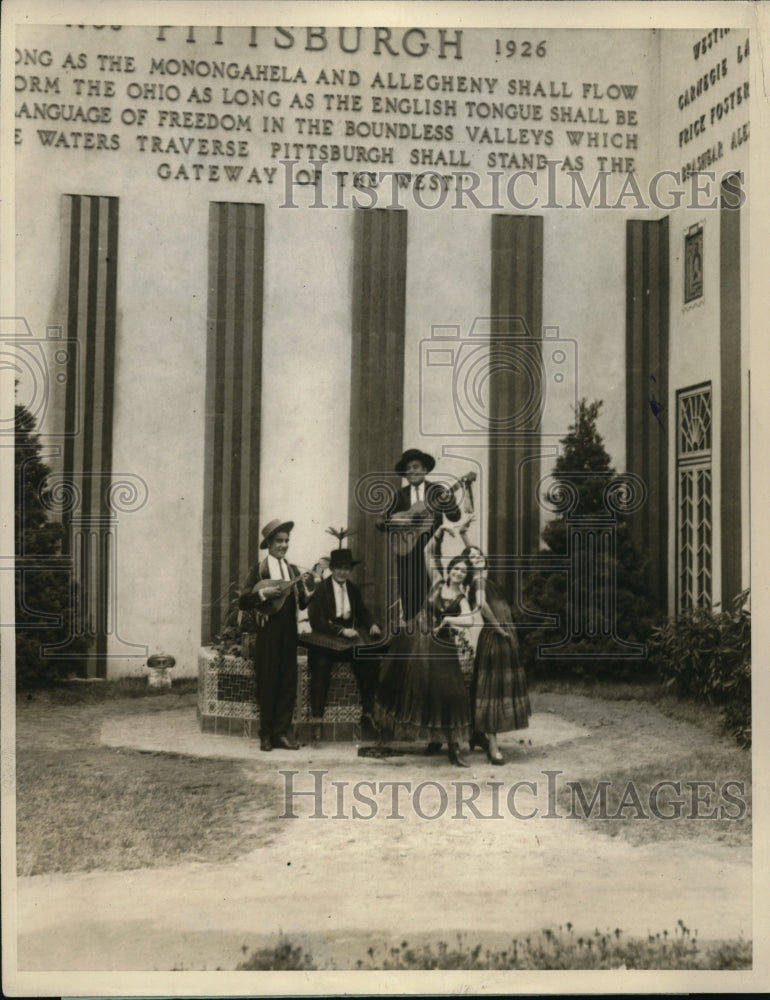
(268, 591)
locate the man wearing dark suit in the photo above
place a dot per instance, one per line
(338, 609)
(430, 502)
(275, 645)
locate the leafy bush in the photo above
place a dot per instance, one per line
(706, 654)
(549, 949)
(45, 592)
(557, 949)
(229, 640)
(584, 466)
(284, 957)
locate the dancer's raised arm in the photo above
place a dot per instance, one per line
(433, 557)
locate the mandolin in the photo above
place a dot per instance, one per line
(274, 604)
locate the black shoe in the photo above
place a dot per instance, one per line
(456, 757)
(265, 744)
(285, 743)
(479, 740)
(499, 759)
(432, 749)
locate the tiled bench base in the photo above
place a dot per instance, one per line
(227, 704)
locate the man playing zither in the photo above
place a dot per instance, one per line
(337, 610)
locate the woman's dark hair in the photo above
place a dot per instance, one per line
(465, 554)
(456, 560)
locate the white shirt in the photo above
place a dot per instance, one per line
(341, 599)
(418, 493)
(274, 568)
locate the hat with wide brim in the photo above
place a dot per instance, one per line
(415, 455)
(342, 557)
(272, 528)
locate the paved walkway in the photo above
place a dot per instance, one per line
(177, 731)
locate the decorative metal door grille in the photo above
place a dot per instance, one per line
(694, 493)
(695, 423)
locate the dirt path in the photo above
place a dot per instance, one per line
(338, 884)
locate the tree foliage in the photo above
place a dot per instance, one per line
(44, 588)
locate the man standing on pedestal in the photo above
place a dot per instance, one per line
(269, 593)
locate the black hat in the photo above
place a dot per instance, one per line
(342, 557)
(414, 455)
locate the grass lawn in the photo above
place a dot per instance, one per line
(651, 735)
(82, 806)
(639, 825)
(648, 692)
(101, 808)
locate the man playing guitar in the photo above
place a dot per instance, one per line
(415, 516)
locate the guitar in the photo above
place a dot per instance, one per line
(273, 604)
(407, 526)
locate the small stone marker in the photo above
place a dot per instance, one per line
(160, 664)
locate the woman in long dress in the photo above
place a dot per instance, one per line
(421, 693)
(499, 694)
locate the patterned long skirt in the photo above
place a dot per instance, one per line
(499, 693)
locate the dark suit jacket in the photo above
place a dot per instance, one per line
(260, 571)
(322, 609)
(435, 496)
